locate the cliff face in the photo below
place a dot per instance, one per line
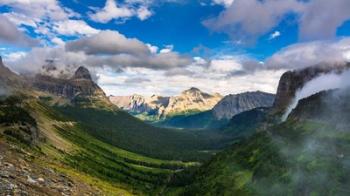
(231, 105)
(292, 81)
(78, 87)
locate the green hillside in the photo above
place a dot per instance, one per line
(56, 142)
(302, 156)
(122, 130)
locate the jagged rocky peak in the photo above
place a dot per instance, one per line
(80, 85)
(82, 73)
(292, 81)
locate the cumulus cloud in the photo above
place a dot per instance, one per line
(48, 19)
(306, 54)
(120, 12)
(10, 34)
(111, 11)
(172, 84)
(249, 19)
(73, 27)
(108, 42)
(317, 13)
(107, 49)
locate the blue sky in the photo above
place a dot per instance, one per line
(165, 46)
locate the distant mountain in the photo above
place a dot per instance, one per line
(189, 101)
(235, 104)
(222, 112)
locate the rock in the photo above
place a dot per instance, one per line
(41, 180)
(31, 180)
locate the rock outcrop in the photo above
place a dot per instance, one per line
(231, 105)
(292, 81)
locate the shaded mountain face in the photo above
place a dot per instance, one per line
(77, 88)
(292, 81)
(231, 105)
(330, 107)
(189, 101)
(8, 80)
(80, 84)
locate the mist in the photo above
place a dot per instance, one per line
(318, 84)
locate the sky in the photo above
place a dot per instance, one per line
(166, 46)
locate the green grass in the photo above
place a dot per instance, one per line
(124, 131)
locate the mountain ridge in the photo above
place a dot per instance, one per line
(189, 101)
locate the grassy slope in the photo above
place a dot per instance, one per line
(294, 158)
(122, 130)
(69, 149)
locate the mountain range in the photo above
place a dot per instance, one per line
(193, 108)
(222, 112)
(156, 107)
(64, 136)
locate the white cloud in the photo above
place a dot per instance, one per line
(112, 11)
(48, 18)
(157, 82)
(108, 42)
(73, 27)
(167, 49)
(10, 34)
(310, 53)
(14, 56)
(226, 3)
(274, 35)
(249, 19)
(105, 49)
(143, 13)
(153, 49)
(225, 64)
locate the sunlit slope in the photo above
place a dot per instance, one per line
(65, 146)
